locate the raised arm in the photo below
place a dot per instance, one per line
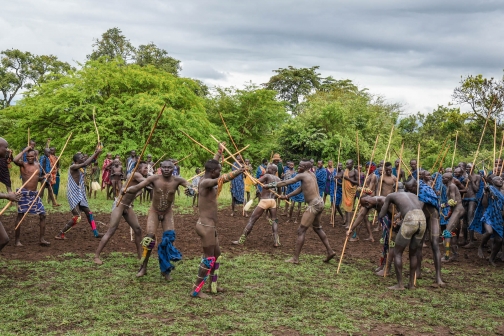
(18, 159)
(90, 159)
(225, 178)
(218, 154)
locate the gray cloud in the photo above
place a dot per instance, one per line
(410, 52)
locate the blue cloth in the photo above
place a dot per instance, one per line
(130, 165)
(167, 252)
(27, 198)
(444, 211)
(428, 195)
(460, 178)
(45, 165)
(261, 170)
(414, 174)
(238, 186)
(57, 184)
(479, 194)
(438, 181)
(291, 187)
(321, 175)
(76, 194)
(339, 191)
(491, 215)
(394, 171)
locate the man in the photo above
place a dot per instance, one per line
(106, 183)
(55, 175)
(32, 146)
(488, 220)
(430, 199)
(410, 234)
(297, 199)
(368, 189)
(349, 189)
(147, 192)
(470, 201)
(311, 216)
(414, 169)
(321, 175)
(76, 194)
(45, 166)
(194, 185)
(209, 189)
(131, 162)
(4, 152)
(237, 187)
(396, 169)
(329, 179)
(125, 210)
(248, 180)
(261, 170)
(116, 177)
(337, 195)
(456, 212)
(29, 195)
(160, 212)
(5, 161)
(267, 202)
(276, 160)
(388, 181)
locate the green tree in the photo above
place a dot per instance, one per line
(151, 54)
(127, 100)
(21, 70)
(113, 44)
(253, 116)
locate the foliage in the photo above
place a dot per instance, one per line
(127, 100)
(329, 117)
(264, 295)
(252, 116)
(113, 45)
(21, 70)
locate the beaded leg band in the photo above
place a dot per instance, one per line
(206, 264)
(214, 276)
(148, 244)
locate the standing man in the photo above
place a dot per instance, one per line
(248, 180)
(106, 174)
(76, 194)
(4, 152)
(336, 196)
(5, 161)
(206, 227)
(471, 199)
(456, 212)
(267, 202)
(278, 162)
(237, 187)
(329, 179)
(45, 166)
(55, 176)
(261, 170)
(414, 168)
(311, 216)
(131, 162)
(29, 194)
(349, 189)
(321, 175)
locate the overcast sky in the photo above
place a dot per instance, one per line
(409, 52)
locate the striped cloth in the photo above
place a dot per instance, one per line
(27, 198)
(76, 194)
(238, 186)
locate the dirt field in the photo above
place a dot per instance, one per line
(81, 241)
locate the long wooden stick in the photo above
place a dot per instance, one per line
(142, 153)
(333, 208)
(454, 150)
(178, 161)
(384, 160)
(358, 156)
(401, 160)
(29, 138)
(42, 187)
(392, 219)
(418, 170)
(24, 184)
(96, 127)
(439, 155)
(161, 158)
(444, 156)
(357, 209)
(494, 145)
(500, 153)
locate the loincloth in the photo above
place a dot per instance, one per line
(317, 207)
(266, 204)
(413, 226)
(29, 197)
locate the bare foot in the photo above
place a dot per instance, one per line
(292, 261)
(44, 242)
(142, 272)
(60, 237)
(232, 214)
(380, 272)
(246, 215)
(56, 205)
(481, 254)
(492, 262)
(469, 245)
(201, 295)
(397, 287)
(219, 290)
(439, 283)
(98, 261)
(376, 229)
(167, 276)
(352, 239)
(236, 242)
(369, 239)
(330, 256)
(18, 243)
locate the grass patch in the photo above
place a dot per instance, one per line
(71, 295)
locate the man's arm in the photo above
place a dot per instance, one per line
(289, 181)
(141, 185)
(18, 159)
(76, 166)
(13, 197)
(354, 181)
(210, 183)
(218, 154)
(360, 217)
(292, 194)
(385, 207)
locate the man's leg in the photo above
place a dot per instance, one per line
(17, 232)
(398, 251)
(232, 204)
(484, 240)
(496, 247)
(149, 241)
(274, 227)
(436, 253)
(51, 195)
(208, 237)
(115, 218)
(258, 212)
(71, 223)
(4, 237)
(132, 220)
(306, 221)
(323, 237)
(471, 208)
(414, 246)
(91, 221)
(43, 242)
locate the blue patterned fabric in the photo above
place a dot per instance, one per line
(238, 186)
(438, 181)
(27, 198)
(291, 187)
(167, 252)
(394, 171)
(130, 165)
(45, 165)
(339, 191)
(414, 174)
(76, 194)
(321, 175)
(491, 215)
(428, 195)
(261, 170)
(444, 211)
